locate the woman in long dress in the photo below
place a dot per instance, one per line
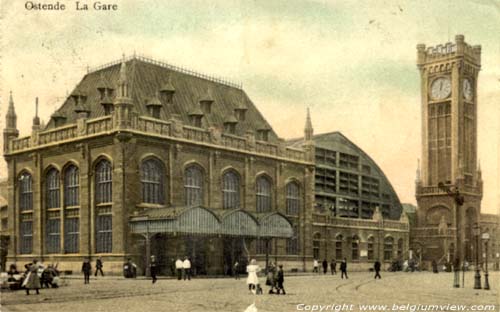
(32, 279)
(252, 279)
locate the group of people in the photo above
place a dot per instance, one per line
(275, 278)
(87, 269)
(36, 276)
(183, 269)
(343, 267)
(333, 267)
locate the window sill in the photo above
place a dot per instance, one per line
(146, 205)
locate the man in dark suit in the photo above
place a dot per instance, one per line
(343, 268)
(376, 267)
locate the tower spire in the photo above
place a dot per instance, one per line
(418, 170)
(36, 119)
(308, 130)
(11, 117)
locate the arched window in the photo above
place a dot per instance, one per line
(52, 203)
(400, 249)
(193, 186)
(152, 178)
(338, 247)
(231, 190)
(355, 248)
(263, 195)
(316, 245)
(71, 209)
(25, 192)
(370, 247)
(292, 199)
(103, 200)
(292, 244)
(26, 217)
(388, 247)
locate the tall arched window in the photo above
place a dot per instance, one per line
(263, 194)
(193, 186)
(388, 247)
(103, 200)
(370, 247)
(316, 245)
(53, 205)
(26, 217)
(400, 248)
(292, 245)
(355, 248)
(71, 209)
(231, 190)
(292, 198)
(152, 177)
(338, 247)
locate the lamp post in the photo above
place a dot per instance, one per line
(486, 238)
(459, 201)
(477, 276)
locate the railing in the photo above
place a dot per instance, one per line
(389, 224)
(433, 231)
(151, 125)
(58, 134)
(433, 190)
(98, 125)
(106, 124)
(234, 141)
(21, 143)
(196, 134)
(266, 148)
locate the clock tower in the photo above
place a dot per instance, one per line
(449, 186)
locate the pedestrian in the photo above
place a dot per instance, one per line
(271, 277)
(325, 266)
(253, 280)
(186, 266)
(32, 280)
(86, 269)
(333, 267)
(280, 279)
(456, 271)
(343, 268)
(178, 268)
(152, 268)
(98, 266)
(236, 269)
(434, 267)
(376, 267)
(315, 266)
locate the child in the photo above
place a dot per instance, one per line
(280, 279)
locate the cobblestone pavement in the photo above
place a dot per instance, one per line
(117, 294)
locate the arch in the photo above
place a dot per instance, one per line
(52, 185)
(231, 189)
(388, 247)
(198, 220)
(100, 158)
(434, 215)
(152, 175)
(25, 170)
(275, 225)
(50, 167)
(71, 182)
(263, 193)
(193, 162)
(145, 156)
(70, 162)
(239, 223)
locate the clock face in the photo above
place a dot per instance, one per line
(467, 89)
(441, 88)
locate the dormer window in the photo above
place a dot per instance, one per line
(263, 134)
(230, 124)
(195, 117)
(206, 102)
(154, 107)
(240, 113)
(107, 104)
(167, 91)
(59, 119)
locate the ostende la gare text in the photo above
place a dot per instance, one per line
(77, 6)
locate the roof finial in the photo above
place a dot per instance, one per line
(36, 119)
(308, 130)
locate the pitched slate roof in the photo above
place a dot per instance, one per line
(147, 78)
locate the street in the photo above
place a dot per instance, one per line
(216, 294)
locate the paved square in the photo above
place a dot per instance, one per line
(118, 294)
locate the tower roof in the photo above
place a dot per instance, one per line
(11, 110)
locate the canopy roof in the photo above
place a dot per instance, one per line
(201, 220)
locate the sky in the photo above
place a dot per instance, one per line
(353, 63)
